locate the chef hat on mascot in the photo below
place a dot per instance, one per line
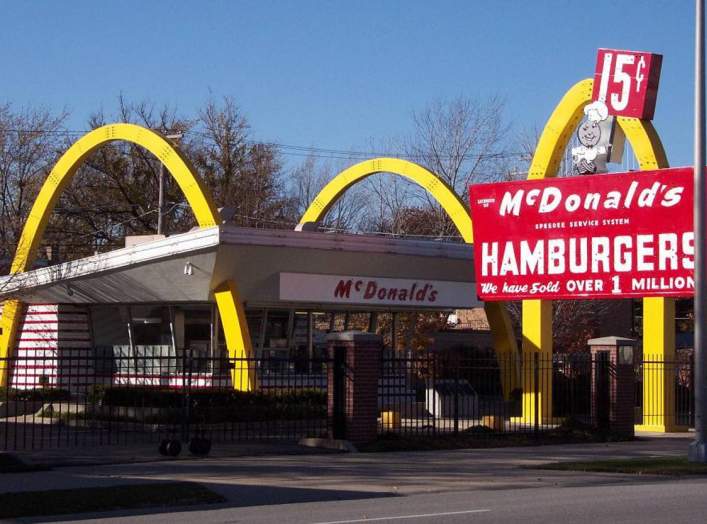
(596, 111)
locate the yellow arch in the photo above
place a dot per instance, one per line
(194, 190)
(659, 313)
(196, 193)
(499, 321)
(437, 187)
(564, 119)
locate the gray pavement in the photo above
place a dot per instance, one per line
(351, 483)
(127, 453)
(670, 501)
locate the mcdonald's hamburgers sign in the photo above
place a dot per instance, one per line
(598, 236)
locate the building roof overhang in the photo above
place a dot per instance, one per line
(186, 267)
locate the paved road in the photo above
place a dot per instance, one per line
(660, 502)
(484, 485)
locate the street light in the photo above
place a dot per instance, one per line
(698, 448)
(160, 197)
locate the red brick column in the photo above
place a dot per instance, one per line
(621, 383)
(357, 356)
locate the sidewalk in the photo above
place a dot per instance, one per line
(138, 453)
(250, 480)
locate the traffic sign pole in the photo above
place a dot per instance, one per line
(698, 448)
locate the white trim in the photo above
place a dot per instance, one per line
(345, 242)
(196, 240)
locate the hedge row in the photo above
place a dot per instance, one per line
(210, 406)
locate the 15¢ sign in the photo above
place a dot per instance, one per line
(627, 82)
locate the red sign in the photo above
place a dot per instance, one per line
(599, 236)
(627, 82)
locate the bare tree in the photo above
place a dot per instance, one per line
(30, 141)
(461, 140)
(308, 179)
(524, 144)
(387, 199)
(574, 321)
(242, 173)
(115, 192)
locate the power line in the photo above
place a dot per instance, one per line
(306, 151)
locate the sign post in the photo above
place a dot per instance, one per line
(698, 448)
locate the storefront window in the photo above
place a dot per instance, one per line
(193, 337)
(152, 340)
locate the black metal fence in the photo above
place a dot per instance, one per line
(677, 403)
(447, 392)
(75, 400)
(94, 398)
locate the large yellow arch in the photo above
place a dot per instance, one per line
(196, 193)
(659, 313)
(499, 321)
(425, 178)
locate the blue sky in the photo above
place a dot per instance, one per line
(337, 74)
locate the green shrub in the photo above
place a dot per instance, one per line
(214, 406)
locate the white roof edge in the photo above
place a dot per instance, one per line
(344, 242)
(195, 240)
(200, 239)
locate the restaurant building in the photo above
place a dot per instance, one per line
(144, 307)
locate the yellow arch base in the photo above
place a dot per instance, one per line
(658, 313)
(235, 327)
(498, 319)
(193, 188)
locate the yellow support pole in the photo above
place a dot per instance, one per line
(537, 361)
(505, 345)
(11, 314)
(537, 314)
(658, 312)
(237, 335)
(659, 367)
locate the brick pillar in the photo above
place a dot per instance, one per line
(613, 383)
(357, 356)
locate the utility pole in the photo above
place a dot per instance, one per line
(160, 196)
(698, 447)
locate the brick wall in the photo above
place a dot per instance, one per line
(620, 389)
(361, 374)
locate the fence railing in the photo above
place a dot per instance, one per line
(438, 393)
(431, 393)
(88, 398)
(672, 397)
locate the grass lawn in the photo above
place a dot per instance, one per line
(136, 496)
(676, 466)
